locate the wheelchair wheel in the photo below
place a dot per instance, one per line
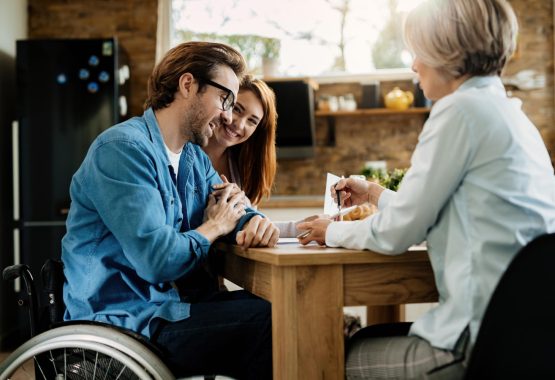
(83, 352)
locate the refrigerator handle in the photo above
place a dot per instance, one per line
(15, 184)
(15, 169)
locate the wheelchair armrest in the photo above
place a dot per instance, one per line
(15, 271)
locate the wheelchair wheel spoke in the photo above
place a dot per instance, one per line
(108, 368)
(39, 367)
(52, 360)
(121, 372)
(95, 363)
(85, 365)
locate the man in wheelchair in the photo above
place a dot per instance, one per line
(146, 207)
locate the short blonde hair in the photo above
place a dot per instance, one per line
(462, 37)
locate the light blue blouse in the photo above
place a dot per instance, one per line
(130, 228)
(480, 187)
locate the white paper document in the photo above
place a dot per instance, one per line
(285, 241)
(330, 204)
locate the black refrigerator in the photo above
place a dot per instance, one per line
(69, 90)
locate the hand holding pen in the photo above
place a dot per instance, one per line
(314, 230)
(301, 225)
(340, 192)
(350, 191)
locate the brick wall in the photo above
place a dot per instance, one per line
(536, 52)
(357, 139)
(133, 22)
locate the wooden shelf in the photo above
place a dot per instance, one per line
(373, 111)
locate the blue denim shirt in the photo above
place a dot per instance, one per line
(130, 228)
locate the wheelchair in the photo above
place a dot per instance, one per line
(76, 349)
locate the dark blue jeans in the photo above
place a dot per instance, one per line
(228, 333)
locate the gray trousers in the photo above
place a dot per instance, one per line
(398, 356)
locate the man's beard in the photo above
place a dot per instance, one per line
(198, 132)
(198, 137)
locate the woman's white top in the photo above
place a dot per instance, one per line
(480, 187)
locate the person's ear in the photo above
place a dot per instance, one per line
(186, 82)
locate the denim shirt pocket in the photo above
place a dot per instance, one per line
(197, 198)
(199, 195)
(172, 207)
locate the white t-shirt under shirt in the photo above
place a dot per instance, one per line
(174, 159)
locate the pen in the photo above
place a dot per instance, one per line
(339, 216)
(304, 234)
(344, 211)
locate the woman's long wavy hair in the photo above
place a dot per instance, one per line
(256, 156)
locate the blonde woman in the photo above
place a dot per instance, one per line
(480, 187)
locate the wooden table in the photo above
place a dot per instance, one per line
(308, 287)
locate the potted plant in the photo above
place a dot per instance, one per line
(270, 49)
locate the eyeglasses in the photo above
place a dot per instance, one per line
(229, 101)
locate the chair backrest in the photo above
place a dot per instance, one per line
(517, 335)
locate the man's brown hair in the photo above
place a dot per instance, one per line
(198, 58)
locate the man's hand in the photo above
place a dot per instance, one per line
(221, 216)
(220, 187)
(258, 232)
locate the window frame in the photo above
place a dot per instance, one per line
(163, 44)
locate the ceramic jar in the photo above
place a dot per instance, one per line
(398, 99)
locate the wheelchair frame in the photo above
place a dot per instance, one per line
(97, 340)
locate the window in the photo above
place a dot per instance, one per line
(300, 38)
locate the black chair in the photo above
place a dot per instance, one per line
(517, 336)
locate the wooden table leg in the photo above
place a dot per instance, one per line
(307, 322)
(384, 314)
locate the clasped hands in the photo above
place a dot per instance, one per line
(227, 204)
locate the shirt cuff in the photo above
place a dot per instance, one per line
(335, 231)
(385, 197)
(202, 241)
(286, 229)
